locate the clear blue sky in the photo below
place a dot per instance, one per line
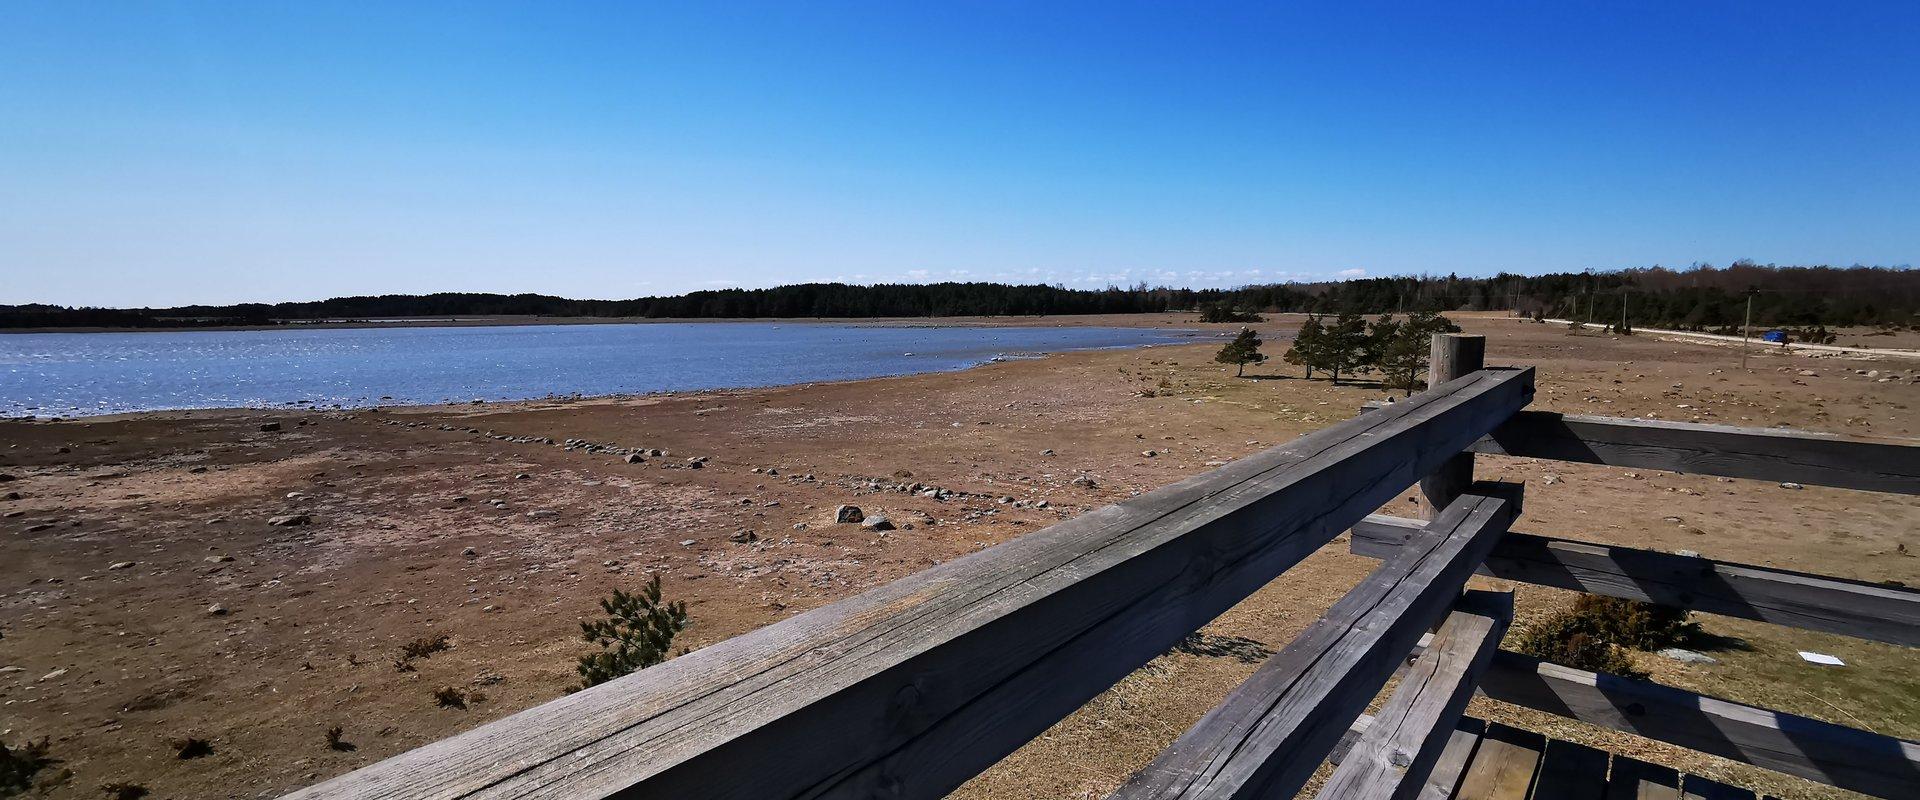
(158, 153)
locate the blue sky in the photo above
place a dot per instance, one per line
(159, 153)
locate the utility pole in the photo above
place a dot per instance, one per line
(1623, 309)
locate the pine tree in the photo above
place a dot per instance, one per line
(1243, 349)
(1346, 345)
(637, 634)
(1307, 345)
(1400, 349)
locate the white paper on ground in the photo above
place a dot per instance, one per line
(1822, 658)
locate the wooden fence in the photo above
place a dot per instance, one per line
(908, 690)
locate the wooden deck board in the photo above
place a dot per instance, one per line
(1504, 766)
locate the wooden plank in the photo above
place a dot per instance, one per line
(1876, 464)
(1571, 771)
(1272, 732)
(1452, 355)
(1835, 755)
(1632, 779)
(1446, 770)
(1504, 766)
(1417, 723)
(1797, 599)
(1694, 787)
(1452, 764)
(911, 688)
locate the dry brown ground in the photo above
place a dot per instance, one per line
(316, 614)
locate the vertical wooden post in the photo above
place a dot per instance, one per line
(1454, 355)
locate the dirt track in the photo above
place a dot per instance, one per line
(314, 614)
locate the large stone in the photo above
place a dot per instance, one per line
(877, 522)
(849, 514)
(289, 519)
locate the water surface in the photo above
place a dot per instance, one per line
(72, 374)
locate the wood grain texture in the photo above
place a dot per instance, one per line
(1874, 464)
(1860, 761)
(1831, 605)
(909, 689)
(1452, 764)
(1407, 736)
(1270, 734)
(1504, 767)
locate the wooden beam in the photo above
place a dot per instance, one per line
(1770, 454)
(1407, 737)
(1813, 602)
(1452, 356)
(911, 688)
(1869, 763)
(1270, 734)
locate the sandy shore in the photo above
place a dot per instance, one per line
(127, 532)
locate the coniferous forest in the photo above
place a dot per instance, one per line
(1699, 298)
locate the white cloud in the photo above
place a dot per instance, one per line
(1356, 272)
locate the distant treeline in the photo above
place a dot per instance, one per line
(1698, 298)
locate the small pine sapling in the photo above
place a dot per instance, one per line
(636, 634)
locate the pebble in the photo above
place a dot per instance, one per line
(120, 565)
(848, 514)
(877, 522)
(217, 610)
(217, 559)
(289, 519)
(1791, 485)
(54, 674)
(470, 552)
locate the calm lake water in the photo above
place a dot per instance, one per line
(73, 374)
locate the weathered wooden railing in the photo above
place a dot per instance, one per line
(910, 689)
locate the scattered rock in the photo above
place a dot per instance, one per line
(521, 476)
(54, 674)
(744, 536)
(217, 610)
(217, 559)
(285, 520)
(1791, 485)
(270, 427)
(1085, 481)
(848, 514)
(686, 542)
(1047, 452)
(877, 522)
(542, 513)
(1149, 453)
(635, 458)
(469, 552)
(120, 565)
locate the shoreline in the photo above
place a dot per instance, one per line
(1195, 335)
